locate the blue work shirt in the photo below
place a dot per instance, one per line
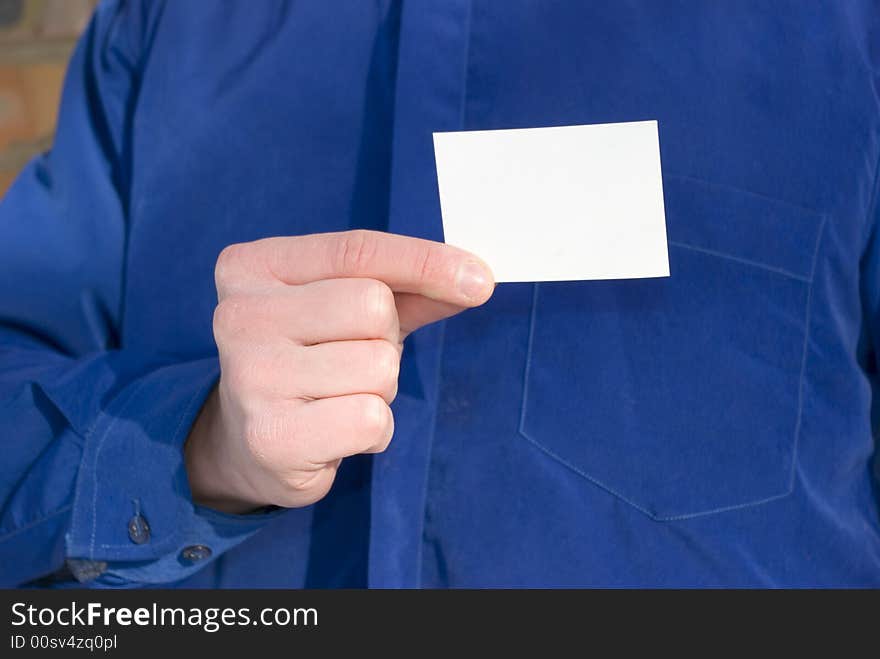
(713, 428)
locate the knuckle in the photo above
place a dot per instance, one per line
(378, 304)
(391, 392)
(384, 440)
(267, 434)
(383, 445)
(429, 264)
(353, 251)
(240, 375)
(386, 361)
(230, 315)
(228, 262)
(375, 416)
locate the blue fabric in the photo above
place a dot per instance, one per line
(716, 428)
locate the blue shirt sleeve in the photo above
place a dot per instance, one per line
(92, 479)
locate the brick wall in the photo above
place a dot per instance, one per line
(36, 38)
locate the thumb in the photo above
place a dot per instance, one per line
(415, 311)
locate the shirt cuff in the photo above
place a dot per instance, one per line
(133, 513)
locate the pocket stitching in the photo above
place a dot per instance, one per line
(739, 259)
(808, 317)
(806, 210)
(801, 379)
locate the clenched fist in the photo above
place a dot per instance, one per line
(310, 331)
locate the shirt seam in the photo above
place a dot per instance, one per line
(123, 406)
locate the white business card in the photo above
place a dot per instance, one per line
(554, 204)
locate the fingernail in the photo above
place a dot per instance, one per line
(473, 281)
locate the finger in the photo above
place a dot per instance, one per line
(341, 368)
(327, 310)
(332, 428)
(346, 309)
(409, 265)
(415, 311)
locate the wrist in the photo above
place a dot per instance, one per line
(213, 483)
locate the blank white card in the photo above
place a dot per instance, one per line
(552, 204)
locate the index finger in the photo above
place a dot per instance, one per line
(408, 265)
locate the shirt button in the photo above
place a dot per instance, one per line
(195, 553)
(138, 530)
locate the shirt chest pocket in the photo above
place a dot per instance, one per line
(682, 396)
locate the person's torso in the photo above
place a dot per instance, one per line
(712, 428)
